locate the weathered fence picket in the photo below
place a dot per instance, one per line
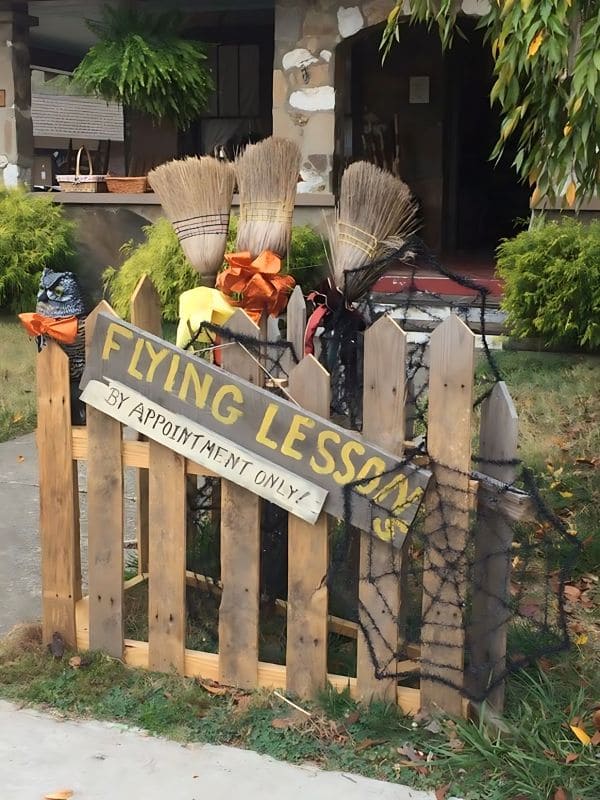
(240, 544)
(61, 567)
(308, 561)
(379, 588)
(146, 314)
(97, 621)
(105, 524)
(498, 440)
(447, 521)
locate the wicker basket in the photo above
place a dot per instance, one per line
(79, 182)
(127, 185)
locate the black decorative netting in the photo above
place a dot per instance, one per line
(457, 570)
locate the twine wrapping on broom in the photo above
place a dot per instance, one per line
(205, 224)
(256, 285)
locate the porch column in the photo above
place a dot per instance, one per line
(16, 130)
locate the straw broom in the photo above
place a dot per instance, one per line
(196, 195)
(267, 176)
(376, 216)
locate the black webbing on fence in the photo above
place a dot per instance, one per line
(539, 555)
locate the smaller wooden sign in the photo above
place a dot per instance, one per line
(274, 483)
(2, 98)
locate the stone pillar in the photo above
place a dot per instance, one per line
(16, 130)
(305, 102)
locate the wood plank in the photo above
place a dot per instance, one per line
(380, 562)
(447, 521)
(166, 557)
(61, 567)
(105, 524)
(206, 665)
(240, 545)
(134, 454)
(146, 314)
(498, 441)
(308, 560)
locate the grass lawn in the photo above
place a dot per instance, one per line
(17, 380)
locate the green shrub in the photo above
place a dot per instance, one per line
(162, 258)
(33, 234)
(552, 283)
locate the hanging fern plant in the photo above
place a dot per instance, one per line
(142, 61)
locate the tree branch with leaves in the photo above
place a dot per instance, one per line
(547, 84)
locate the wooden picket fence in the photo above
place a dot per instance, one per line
(96, 620)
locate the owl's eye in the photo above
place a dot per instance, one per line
(59, 291)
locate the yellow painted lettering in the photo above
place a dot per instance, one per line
(350, 470)
(201, 388)
(172, 374)
(390, 528)
(132, 368)
(156, 357)
(327, 465)
(232, 414)
(261, 436)
(375, 465)
(110, 343)
(295, 434)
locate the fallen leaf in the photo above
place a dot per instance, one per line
(242, 703)
(595, 740)
(572, 593)
(581, 640)
(529, 610)
(367, 743)
(75, 662)
(291, 721)
(596, 719)
(64, 794)
(550, 754)
(212, 687)
(571, 758)
(560, 794)
(409, 752)
(589, 462)
(580, 734)
(441, 792)
(566, 494)
(434, 727)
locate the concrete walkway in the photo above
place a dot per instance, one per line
(40, 755)
(19, 540)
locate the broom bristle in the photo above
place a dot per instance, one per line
(196, 195)
(267, 176)
(376, 214)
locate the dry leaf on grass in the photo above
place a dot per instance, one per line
(293, 720)
(367, 743)
(75, 662)
(595, 741)
(441, 792)
(63, 794)
(571, 757)
(242, 703)
(596, 719)
(572, 593)
(352, 718)
(560, 794)
(580, 734)
(212, 687)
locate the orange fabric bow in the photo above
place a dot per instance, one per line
(256, 286)
(62, 330)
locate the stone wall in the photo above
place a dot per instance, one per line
(304, 78)
(16, 132)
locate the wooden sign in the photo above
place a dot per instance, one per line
(182, 401)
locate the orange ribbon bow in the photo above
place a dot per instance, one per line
(62, 330)
(256, 286)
